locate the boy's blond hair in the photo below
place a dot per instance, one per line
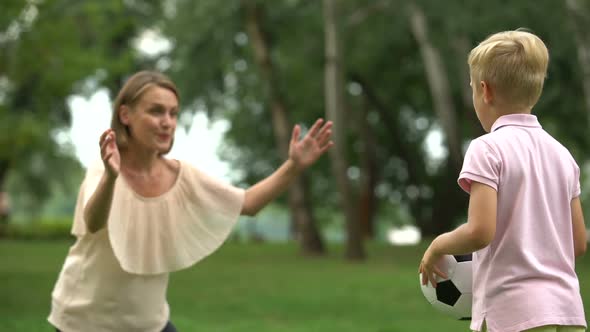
(513, 63)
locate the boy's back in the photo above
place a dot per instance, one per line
(525, 277)
(525, 220)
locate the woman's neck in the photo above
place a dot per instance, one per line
(140, 162)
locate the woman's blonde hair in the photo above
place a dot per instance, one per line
(131, 93)
(514, 63)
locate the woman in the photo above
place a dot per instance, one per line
(140, 216)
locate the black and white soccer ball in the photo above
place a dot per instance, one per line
(452, 296)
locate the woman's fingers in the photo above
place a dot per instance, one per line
(295, 134)
(325, 133)
(106, 138)
(105, 143)
(325, 148)
(103, 136)
(324, 137)
(327, 126)
(313, 131)
(112, 137)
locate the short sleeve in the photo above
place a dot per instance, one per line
(576, 185)
(481, 164)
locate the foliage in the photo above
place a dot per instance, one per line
(381, 53)
(50, 50)
(55, 177)
(43, 229)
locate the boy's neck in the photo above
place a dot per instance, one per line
(507, 110)
(498, 111)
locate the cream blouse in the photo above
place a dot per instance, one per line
(116, 279)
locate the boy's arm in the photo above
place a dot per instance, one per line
(476, 234)
(480, 228)
(578, 227)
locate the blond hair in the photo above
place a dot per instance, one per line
(131, 93)
(513, 63)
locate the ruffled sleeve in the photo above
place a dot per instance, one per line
(152, 235)
(87, 188)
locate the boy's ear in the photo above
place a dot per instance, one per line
(124, 115)
(487, 92)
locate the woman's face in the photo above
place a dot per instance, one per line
(152, 121)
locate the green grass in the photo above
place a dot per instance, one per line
(256, 287)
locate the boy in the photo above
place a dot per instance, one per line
(525, 221)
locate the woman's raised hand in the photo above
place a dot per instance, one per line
(109, 153)
(316, 142)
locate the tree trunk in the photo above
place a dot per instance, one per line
(438, 82)
(403, 150)
(368, 180)
(580, 20)
(334, 111)
(449, 203)
(398, 141)
(4, 200)
(301, 210)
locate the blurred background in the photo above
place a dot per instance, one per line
(391, 74)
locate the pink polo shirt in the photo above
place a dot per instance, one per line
(525, 278)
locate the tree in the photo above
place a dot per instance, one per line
(299, 203)
(335, 108)
(438, 82)
(50, 50)
(402, 77)
(236, 53)
(580, 18)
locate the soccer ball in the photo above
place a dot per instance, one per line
(452, 296)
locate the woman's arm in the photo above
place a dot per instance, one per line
(96, 211)
(302, 154)
(260, 194)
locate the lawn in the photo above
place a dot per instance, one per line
(256, 287)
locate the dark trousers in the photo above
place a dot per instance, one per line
(168, 328)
